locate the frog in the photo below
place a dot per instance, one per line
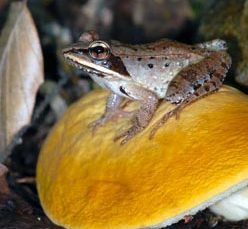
(166, 69)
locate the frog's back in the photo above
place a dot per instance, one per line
(154, 65)
(162, 48)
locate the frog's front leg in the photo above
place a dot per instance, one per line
(113, 110)
(149, 103)
(194, 82)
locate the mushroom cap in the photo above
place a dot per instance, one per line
(90, 181)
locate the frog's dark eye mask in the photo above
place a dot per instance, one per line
(82, 58)
(95, 57)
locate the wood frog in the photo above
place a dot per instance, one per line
(165, 69)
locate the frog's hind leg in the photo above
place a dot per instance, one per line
(195, 82)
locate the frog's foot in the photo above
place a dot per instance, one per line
(109, 116)
(140, 122)
(149, 103)
(174, 112)
(128, 134)
(97, 123)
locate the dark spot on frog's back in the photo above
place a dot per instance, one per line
(116, 64)
(150, 65)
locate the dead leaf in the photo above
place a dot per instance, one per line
(21, 73)
(4, 188)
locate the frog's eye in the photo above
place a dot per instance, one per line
(99, 50)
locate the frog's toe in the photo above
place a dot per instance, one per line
(111, 116)
(128, 134)
(175, 112)
(122, 136)
(95, 125)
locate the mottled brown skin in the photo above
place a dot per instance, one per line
(195, 82)
(165, 69)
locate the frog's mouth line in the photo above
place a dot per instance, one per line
(90, 67)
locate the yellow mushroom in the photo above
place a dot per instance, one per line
(87, 181)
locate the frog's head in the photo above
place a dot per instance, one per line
(95, 57)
